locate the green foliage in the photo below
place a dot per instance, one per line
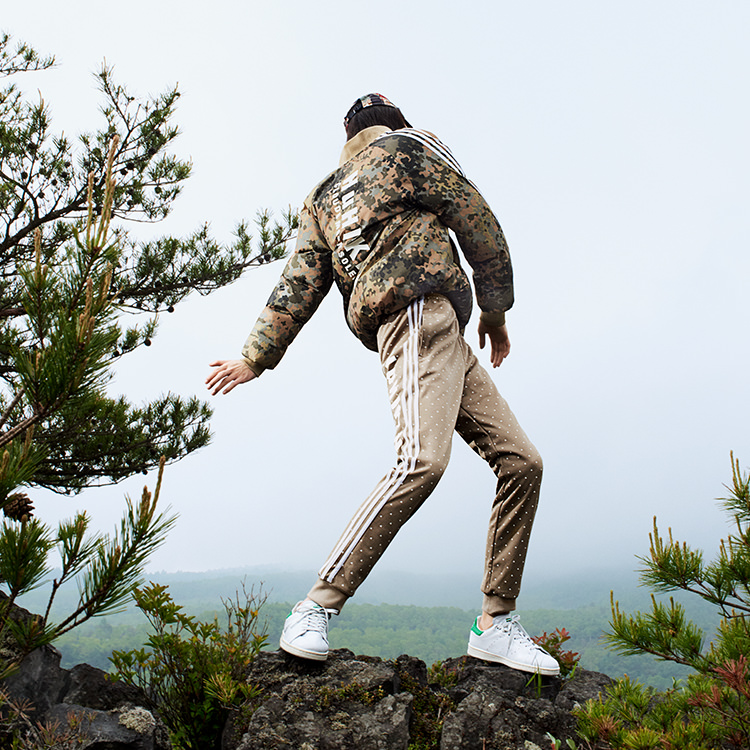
(557, 744)
(631, 715)
(711, 708)
(93, 642)
(193, 671)
(22, 60)
(70, 321)
(725, 582)
(70, 271)
(351, 693)
(439, 676)
(107, 569)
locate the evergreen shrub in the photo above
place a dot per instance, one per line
(193, 672)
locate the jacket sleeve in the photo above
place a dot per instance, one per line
(440, 187)
(306, 280)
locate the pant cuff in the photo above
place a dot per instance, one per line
(497, 605)
(327, 595)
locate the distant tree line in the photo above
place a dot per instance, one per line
(429, 633)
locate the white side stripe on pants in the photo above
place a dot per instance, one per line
(404, 396)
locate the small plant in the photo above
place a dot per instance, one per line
(535, 682)
(557, 744)
(552, 644)
(438, 675)
(18, 730)
(193, 672)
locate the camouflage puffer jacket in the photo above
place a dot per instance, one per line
(378, 227)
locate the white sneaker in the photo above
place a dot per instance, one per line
(305, 632)
(508, 643)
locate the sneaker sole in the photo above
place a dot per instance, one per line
(478, 653)
(301, 653)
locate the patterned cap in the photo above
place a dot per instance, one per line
(368, 100)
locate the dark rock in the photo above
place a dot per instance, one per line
(127, 728)
(584, 687)
(9, 650)
(413, 667)
(363, 702)
(343, 703)
(93, 688)
(106, 714)
(279, 672)
(473, 674)
(39, 679)
(382, 726)
(498, 708)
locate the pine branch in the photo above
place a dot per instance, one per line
(11, 406)
(118, 563)
(664, 632)
(23, 60)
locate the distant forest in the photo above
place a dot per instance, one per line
(431, 633)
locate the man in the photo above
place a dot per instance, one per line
(378, 227)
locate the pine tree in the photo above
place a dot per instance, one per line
(712, 708)
(69, 276)
(83, 436)
(724, 582)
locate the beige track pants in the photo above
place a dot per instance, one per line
(436, 386)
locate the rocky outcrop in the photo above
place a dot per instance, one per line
(348, 702)
(370, 704)
(104, 714)
(497, 708)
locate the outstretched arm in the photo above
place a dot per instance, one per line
(228, 373)
(499, 342)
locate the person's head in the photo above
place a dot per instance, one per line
(373, 109)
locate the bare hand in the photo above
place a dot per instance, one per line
(499, 342)
(227, 374)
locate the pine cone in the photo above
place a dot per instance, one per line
(17, 506)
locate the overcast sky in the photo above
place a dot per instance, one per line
(611, 140)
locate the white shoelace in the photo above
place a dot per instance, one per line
(316, 618)
(517, 633)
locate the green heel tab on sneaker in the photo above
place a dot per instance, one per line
(475, 627)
